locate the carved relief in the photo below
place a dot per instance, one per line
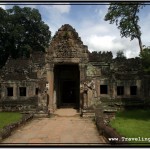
(66, 44)
(88, 91)
(66, 54)
(93, 71)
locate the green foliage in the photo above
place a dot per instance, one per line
(145, 56)
(124, 14)
(22, 32)
(3, 36)
(120, 54)
(7, 118)
(132, 124)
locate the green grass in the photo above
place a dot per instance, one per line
(133, 124)
(7, 118)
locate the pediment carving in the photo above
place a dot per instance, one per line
(66, 44)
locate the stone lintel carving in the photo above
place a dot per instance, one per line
(93, 71)
(66, 60)
(66, 53)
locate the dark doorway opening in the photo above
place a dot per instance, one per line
(66, 85)
(68, 92)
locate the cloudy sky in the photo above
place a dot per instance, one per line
(88, 20)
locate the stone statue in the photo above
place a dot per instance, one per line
(88, 87)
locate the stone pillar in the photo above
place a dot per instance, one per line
(138, 83)
(127, 89)
(50, 91)
(15, 91)
(114, 90)
(82, 68)
(85, 99)
(3, 93)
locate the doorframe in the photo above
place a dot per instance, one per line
(57, 87)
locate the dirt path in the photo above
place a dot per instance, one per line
(65, 127)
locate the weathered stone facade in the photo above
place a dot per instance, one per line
(23, 83)
(69, 75)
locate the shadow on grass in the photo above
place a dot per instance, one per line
(139, 114)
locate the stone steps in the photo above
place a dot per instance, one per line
(88, 113)
(41, 115)
(66, 112)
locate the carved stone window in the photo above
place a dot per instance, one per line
(133, 90)
(10, 91)
(103, 89)
(22, 91)
(120, 90)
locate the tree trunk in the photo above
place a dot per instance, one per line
(140, 43)
(137, 28)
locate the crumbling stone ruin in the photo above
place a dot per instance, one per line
(68, 75)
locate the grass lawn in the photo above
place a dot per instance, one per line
(133, 124)
(7, 118)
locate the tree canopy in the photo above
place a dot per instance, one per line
(145, 57)
(120, 55)
(125, 15)
(22, 32)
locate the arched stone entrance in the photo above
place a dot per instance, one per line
(67, 85)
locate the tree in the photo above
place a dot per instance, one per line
(3, 36)
(145, 57)
(125, 15)
(23, 32)
(120, 54)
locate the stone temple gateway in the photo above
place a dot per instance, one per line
(68, 75)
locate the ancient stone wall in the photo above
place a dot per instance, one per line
(114, 73)
(102, 78)
(23, 84)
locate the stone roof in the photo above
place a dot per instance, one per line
(13, 76)
(67, 42)
(131, 64)
(38, 57)
(18, 76)
(22, 68)
(17, 63)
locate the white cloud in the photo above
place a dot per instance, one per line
(55, 10)
(103, 43)
(55, 15)
(99, 35)
(3, 6)
(61, 8)
(112, 43)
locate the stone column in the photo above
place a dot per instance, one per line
(114, 90)
(82, 68)
(50, 91)
(127, 89)
(15, 91)
(3, 91)
(138, 83)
